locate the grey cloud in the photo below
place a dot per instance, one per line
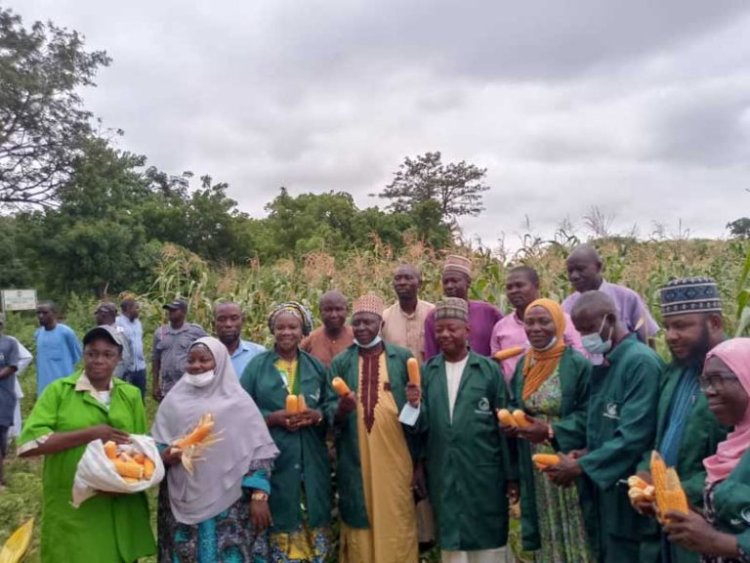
(639, 108)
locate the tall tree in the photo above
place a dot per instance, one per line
(42, 119)
(740, 228)
(457, 186)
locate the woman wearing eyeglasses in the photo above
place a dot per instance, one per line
(722, 533)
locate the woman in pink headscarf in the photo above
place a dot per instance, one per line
(722, 533)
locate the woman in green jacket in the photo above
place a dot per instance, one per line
(88, 405)
(551, 385)
(722, 533)
(300, 499)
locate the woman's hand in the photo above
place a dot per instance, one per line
(693, 532)
(413, 394)
(284, 419)
(171, 456)
(310, 417)
(260, 514)
(536, 432)
(105, 433)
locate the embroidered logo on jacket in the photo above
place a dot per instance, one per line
(483, 406)
(612, 411)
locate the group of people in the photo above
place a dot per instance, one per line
(401, 463)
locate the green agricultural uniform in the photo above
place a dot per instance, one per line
(574, 372)
(467, 458)
(104, 528)
(304, 457)
(348, 468)
(701, 435)
(621, 427)
(730, 505)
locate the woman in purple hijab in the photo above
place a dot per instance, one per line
(220, 511)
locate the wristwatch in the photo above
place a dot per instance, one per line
(259, 495)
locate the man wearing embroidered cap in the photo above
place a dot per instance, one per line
(374, 451)
(482, 315)
(466, 454)
(686, 432)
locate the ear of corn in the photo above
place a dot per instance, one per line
(16, 545)
(668, 491)
(505, 418)
(543, 461)
(129, 469)
(635, 482)
(292, 404)
(139, 458)
(412, 368)
(148, 468)
(520, 418)
(110, 449)
(511, 352)
(202, 431)
(340, 386)
(301, 403)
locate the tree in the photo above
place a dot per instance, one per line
(457, 187)
(740, 228)
(42, 119)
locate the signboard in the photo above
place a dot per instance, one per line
(19, 299)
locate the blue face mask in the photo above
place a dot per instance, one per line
(595, 344)
(375, 341)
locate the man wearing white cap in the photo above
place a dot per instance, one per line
(482, 315)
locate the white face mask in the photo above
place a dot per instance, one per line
(375, 341)
(200, 379)
(548, 346)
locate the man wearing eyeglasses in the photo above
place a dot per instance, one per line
(687, 431)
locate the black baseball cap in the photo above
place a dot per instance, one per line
(176, 304)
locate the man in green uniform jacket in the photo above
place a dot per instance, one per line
(467, 457)
(620, 427)
(348, 470)
(687, 432)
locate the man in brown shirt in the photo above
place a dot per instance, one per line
(404, 320)
(335, 336)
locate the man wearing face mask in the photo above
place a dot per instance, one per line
(621, 424)
(374, 450)
(687, 432)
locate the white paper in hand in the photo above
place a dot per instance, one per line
(96, 472)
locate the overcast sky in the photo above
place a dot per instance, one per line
(641, 108)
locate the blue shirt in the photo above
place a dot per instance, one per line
(134, 332)
(245, 352)
(57, 353)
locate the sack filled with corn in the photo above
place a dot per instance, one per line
(117, 468)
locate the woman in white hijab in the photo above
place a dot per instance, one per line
(220, 511)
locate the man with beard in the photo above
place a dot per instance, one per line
(228, 321)
(482, 315)
(335, 336)
(404, 320)
(687, 432)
